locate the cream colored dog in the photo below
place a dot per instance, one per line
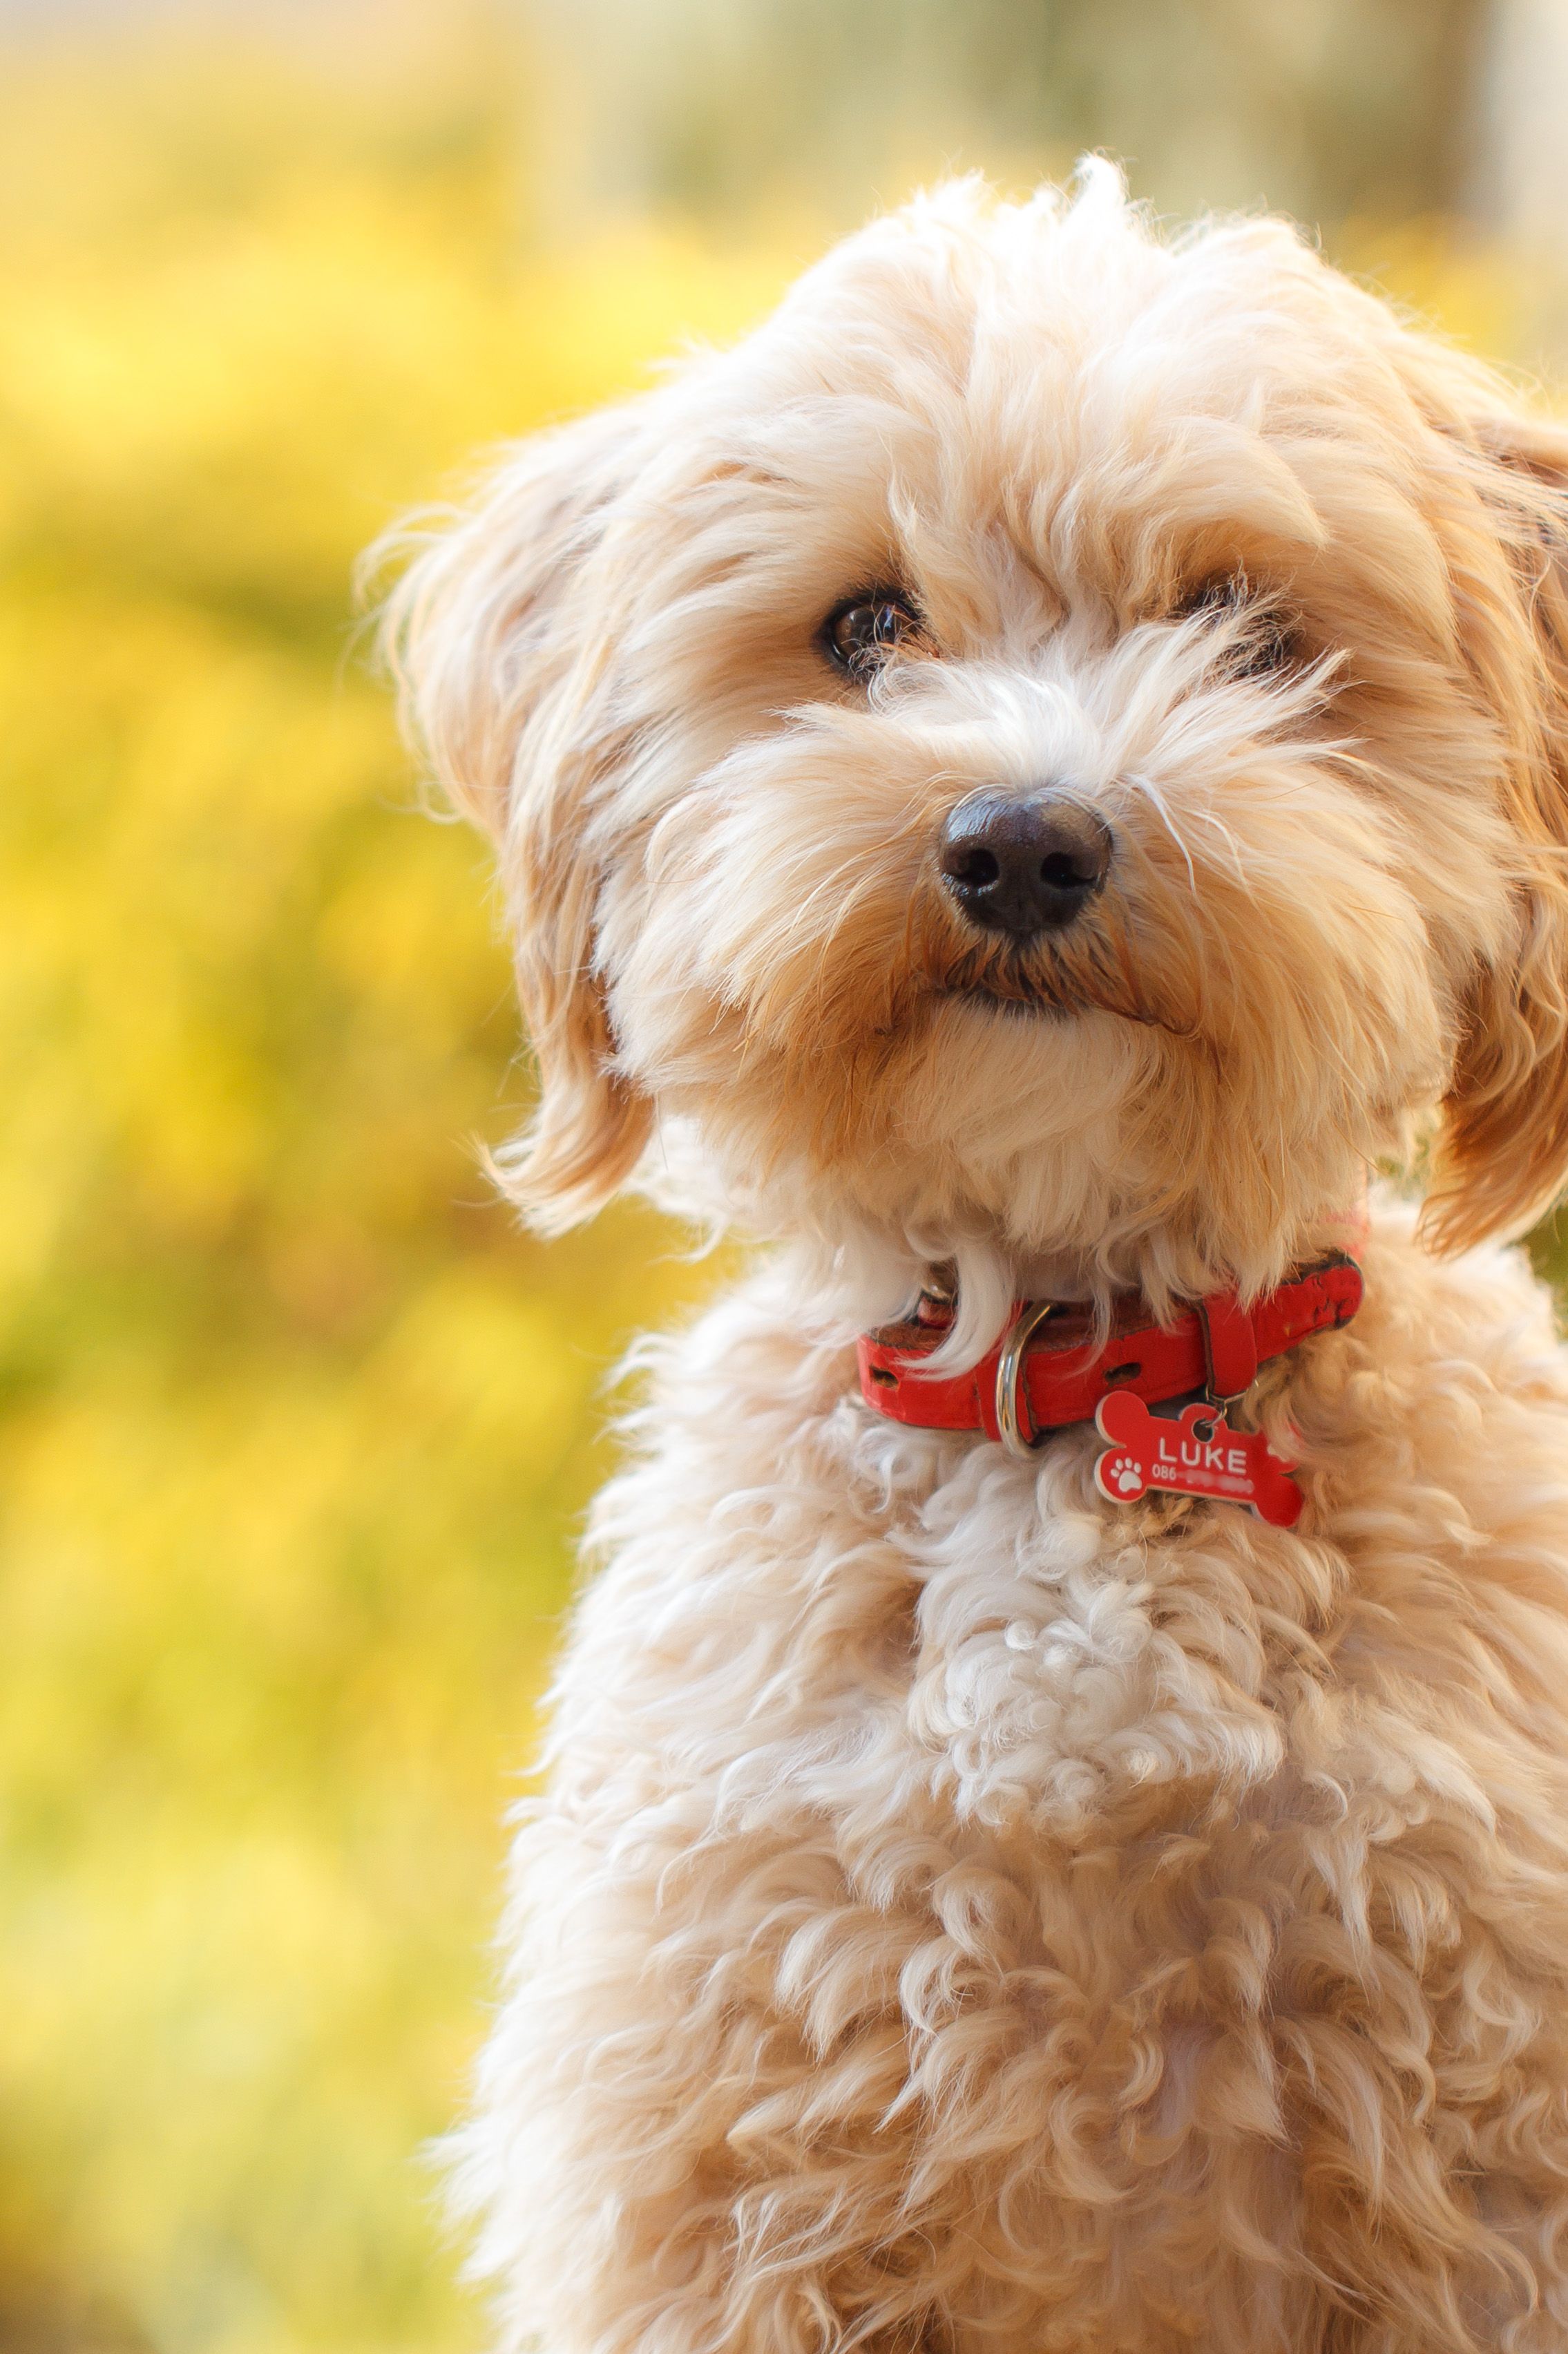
(1044, 763)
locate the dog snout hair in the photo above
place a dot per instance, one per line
(1023, 863)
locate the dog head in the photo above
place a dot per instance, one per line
(1050, 751)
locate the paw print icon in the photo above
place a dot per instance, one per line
(1121, 1475)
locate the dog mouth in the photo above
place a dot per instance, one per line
(1011, 1009)
(1023, 999)
(1087, 970)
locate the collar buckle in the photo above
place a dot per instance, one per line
(1230, 1351)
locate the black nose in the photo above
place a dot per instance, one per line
(1023, 863)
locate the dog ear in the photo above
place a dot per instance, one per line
(498, 633)
(1502, 1154)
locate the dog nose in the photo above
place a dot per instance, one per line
(1020, 864)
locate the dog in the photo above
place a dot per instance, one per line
(1021, 786)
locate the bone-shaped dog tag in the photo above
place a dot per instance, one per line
(1200, 1455)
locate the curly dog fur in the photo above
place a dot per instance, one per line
(964, 1914)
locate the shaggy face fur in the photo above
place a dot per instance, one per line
(967, 1915)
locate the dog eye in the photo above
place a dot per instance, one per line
(1266, 644)
(861, 633)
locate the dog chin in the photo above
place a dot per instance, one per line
(1002, 1120)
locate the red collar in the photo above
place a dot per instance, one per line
(1044, 1373)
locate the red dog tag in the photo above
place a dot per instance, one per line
(1200, 1455)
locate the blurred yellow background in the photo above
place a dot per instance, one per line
(293, 1425)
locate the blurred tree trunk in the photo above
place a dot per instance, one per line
(1520, 186)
